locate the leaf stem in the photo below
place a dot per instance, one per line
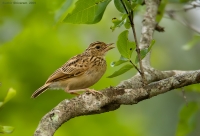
(135, 67)
(130, 16)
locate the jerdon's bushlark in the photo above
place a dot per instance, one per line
(79, 72)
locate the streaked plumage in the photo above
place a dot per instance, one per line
(79, 72)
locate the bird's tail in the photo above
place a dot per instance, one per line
(40, 90)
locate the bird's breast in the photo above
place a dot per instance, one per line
(95, 71)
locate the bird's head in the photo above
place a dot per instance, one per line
(99, 48)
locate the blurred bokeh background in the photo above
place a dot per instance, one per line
(33, 45)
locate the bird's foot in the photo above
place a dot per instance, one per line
(74, 92)
(92, 91)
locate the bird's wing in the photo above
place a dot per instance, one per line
(76, 66)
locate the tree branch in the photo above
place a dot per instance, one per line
(112, 98)
(149, 24)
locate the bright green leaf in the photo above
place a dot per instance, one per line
(127, 23)
(144, 52)
(191, 43)
(187, 119)
(119, 62)
(87, 12)
(62, 11)
(1, 104)
(6, 129)
(133, 6)
(193, 88)
(161, 10)
(11, 93)
(117, 22)
(122, 70)
(125, 47)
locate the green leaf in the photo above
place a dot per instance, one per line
(119, 62)
(118, 23)
(87, 12)
(119, 6)
(11, 93)
(144, 52)
(125, 47)
(121, 71)
(128, 5)
(6, 129)
(127, 23)
(187, 119)
(161, 10)
(134, 5)
(193, 88)
(191, 43)
(139, 2)
(62, 11)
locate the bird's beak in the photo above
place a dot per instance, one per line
(109, 47)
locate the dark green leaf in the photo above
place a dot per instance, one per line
(137, 1)
(119, 6)
(11, 93)
(161, 10)
(87, 12)
(144, 52)
(125, 47)
(187, 119)
(6, 129)
(119, 62)
(128, 5)
(191, 43)
(121, 71)
(118, 23)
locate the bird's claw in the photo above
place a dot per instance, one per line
(92, 91)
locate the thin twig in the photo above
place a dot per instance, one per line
(135, 67)
(171, 14)
(184, 96)
(185, 9)
(130, 16)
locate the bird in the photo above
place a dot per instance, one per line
(79, 72)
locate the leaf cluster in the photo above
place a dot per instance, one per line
(7, 129)
(126, 48)
(91, 12)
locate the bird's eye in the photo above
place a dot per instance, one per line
(97, 47)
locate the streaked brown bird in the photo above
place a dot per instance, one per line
(79, 72)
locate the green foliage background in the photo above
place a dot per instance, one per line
(33, 44)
